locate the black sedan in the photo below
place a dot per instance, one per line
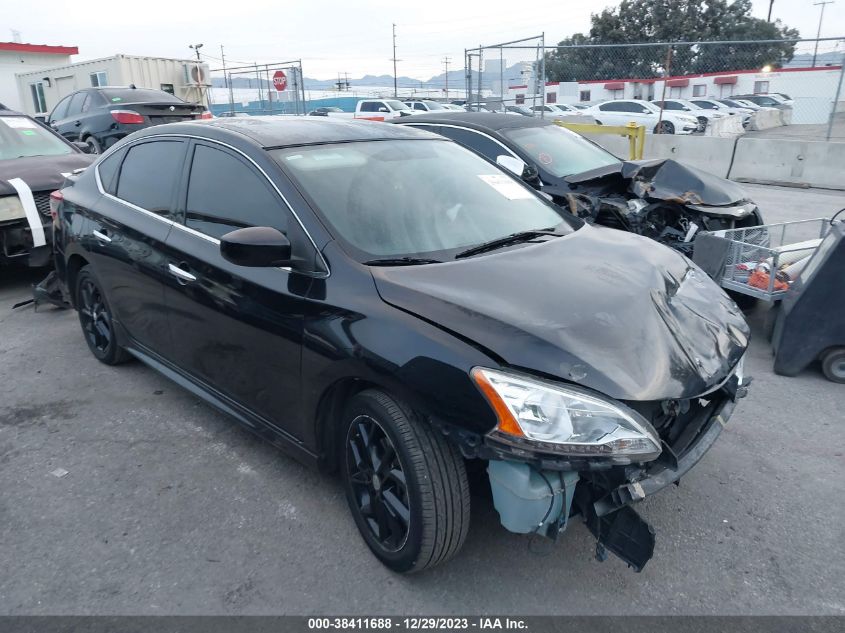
(661, 199)
(380, 301)
(33, 163)
(100, 117)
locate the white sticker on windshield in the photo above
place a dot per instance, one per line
(506, 186)
(18, 122)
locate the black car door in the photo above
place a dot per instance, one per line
(238, 330)
(68, 126)
(129, 224)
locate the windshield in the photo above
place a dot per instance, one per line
(414, 198)
(21, 137)
(559, 151)
(433, 105)
(138, 95)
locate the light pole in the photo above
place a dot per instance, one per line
(819, 32)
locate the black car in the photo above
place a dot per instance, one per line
(100, 117)
(662, 199)
(33, 163)
(380, 301)
(324, 111)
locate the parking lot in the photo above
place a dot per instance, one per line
(168, 507)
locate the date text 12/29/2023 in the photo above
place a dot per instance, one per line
(387, 623)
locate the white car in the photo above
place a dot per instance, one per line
(624, 111)
(713, 104)
(683, 105)
(453, 106)
(555, 108)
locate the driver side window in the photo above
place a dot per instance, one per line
(215, 206)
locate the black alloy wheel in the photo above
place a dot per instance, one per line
(406, 484)
(96, 320)
(378, 483)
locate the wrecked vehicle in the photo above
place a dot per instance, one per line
(33, 163)
(379, 301)
(661, 199)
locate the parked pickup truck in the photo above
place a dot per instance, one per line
(376, 110)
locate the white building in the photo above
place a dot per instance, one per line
(16, 57)
(185, 78)
(813, 89)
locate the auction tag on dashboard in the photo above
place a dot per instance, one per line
(506, 186)
(18, 122)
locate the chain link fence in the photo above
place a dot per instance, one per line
(801, 78)
(258, 89)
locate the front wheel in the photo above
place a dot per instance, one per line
(406, 485)
(664, 127)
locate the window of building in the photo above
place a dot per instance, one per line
(168, 88)
(216, 206)
(699, 90)
(99, 79)
(149, 174)
(520, 99)
(38, 101)
(551, 97)
(585, 95)
(761, 87)
(676, 92)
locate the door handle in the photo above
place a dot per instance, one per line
(102, 237)
(180, 273)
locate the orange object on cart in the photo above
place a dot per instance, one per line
(760, 279)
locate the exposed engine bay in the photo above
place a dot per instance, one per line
(664, 200)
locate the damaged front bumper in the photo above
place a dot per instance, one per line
(542, 494)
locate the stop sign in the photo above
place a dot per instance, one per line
(280, 81)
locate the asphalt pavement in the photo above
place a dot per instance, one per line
(168, 507)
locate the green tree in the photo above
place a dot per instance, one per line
(643, 21)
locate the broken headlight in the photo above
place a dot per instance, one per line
(11, 208)
(565, 420)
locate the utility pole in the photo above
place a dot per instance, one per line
(819, 32)
(446, 64)
(771, 3)
(226, 83)
(197, 48)
(394, 60)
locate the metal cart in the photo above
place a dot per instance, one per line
(732, 257)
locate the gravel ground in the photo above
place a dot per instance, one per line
(169, 508)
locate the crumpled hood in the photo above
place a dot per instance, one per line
(666, 180)
(40, 173)
(605, 309)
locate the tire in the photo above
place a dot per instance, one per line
(664, 127)
(96, 320)
(384, 443)
(833, 364)
(598, 122)
(94, 144)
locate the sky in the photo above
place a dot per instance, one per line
(331, 36)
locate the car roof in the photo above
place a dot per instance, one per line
(479, 120)
(281, 131)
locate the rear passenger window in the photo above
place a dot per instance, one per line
(226, 193)
(150, 173)
(107, 168)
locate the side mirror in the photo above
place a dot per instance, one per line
(84, 147)
(512, 164)
(383, 109)
(256, 247)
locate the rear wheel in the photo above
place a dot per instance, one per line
(96, 319)
(664, 127)
(94, 145)
(406, 485)
(833, 364)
